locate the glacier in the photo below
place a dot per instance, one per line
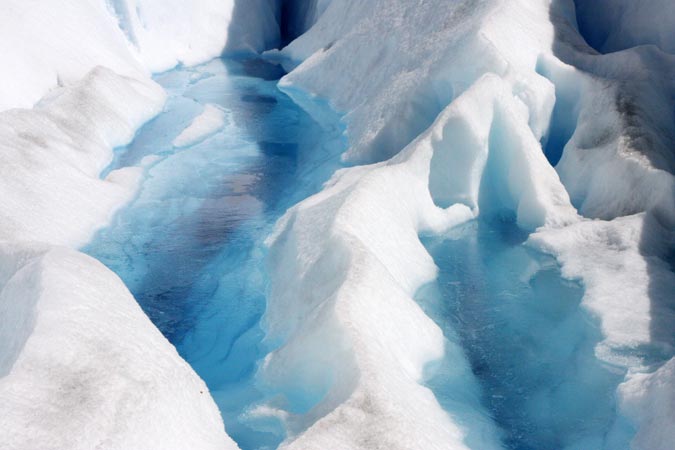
(489, 263)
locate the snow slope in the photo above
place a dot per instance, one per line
(537, 91)
(81, 366)
(52, 155)
(47, 44)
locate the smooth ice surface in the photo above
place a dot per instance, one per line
(190, 246)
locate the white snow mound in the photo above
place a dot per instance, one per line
(82, 367)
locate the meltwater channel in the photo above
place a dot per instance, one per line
(190, 247)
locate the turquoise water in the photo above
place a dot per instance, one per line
(529, 344)
(190, 246)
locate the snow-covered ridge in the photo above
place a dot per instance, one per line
(53, 154)
(82, 367)
(81, 364)
(504, 81)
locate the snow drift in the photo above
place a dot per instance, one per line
(82, 367)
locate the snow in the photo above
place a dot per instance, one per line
(78, 353)
(52, 156)
(650, 400)
(82, 367)
(48, 44)
(167, 33)
(627, 285)
(348, 261)
(204, 125)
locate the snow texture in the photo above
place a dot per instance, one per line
(82, 367)
(47, 44)
(453, 107)
(52, 155)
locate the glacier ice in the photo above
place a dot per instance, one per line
(554, 114)
(51, 44)
(190, 245)
(90, 92)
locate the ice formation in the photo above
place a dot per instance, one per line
(49, 44)
(558, 113)
(208, 122)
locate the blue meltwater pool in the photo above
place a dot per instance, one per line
(190, 245)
